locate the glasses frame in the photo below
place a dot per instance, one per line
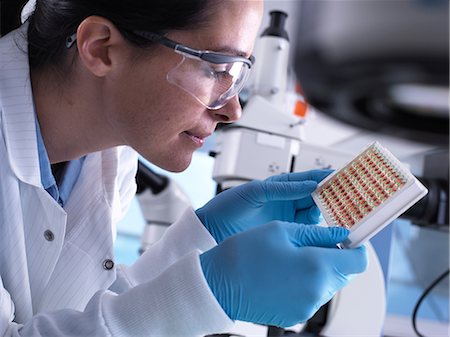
(205, 55)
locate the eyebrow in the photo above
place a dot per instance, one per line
(230, 50)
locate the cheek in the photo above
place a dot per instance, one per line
(145, 103)
(151, 114)
(154, 128)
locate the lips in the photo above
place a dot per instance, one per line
(197, 138)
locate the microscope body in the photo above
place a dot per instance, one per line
(261, 144)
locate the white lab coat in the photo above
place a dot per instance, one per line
(57, 284)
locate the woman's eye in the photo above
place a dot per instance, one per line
(216, 71)
(220, 74)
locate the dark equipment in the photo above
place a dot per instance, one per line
(10, 15)
(381, 65)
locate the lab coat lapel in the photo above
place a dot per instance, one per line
(40, 213)
(17, 111)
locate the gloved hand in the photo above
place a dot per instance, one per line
(280, 273)
(285, 197)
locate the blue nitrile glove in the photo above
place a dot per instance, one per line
(280, 273)
(285, 197)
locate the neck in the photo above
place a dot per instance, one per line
(71, 116)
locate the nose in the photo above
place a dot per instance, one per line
(230, 112)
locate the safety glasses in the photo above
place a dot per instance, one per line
(211, 78)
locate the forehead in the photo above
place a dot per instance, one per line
(232, 28)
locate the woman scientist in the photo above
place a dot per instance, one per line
(85, 85)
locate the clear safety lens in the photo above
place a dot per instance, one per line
(211, 84)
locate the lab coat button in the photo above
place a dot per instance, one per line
(48, 235)
(108, 264)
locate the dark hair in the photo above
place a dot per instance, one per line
(54, 20)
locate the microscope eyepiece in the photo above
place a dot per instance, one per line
(277, 25)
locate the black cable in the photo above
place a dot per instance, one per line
(422, 297)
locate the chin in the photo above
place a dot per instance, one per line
(176, 168)
(174, 164)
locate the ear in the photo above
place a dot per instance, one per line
(97, 39)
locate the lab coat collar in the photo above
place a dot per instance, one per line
(17, 114)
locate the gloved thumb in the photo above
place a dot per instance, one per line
(353, 260)
(319, 236)
(309, 216)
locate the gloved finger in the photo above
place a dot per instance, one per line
(278, 190)
(305, 202)
(303, 235)
(352, 261)
(309, 216)
(315, 175)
